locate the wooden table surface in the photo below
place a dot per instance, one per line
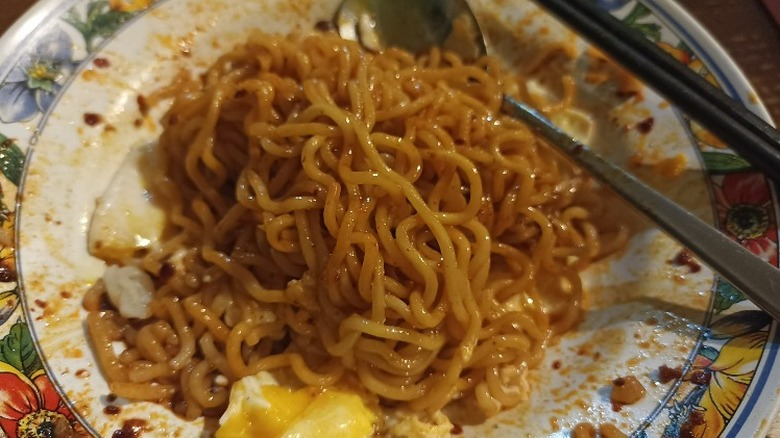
(744, 28)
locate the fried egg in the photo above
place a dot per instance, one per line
(127, 218)
(260, 407)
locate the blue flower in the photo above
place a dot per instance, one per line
(33, 84)
(611, 5)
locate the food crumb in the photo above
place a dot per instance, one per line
(92, 119)
(608, 430)
(583, 430)
(89, 75)
(646, 125)
(325, 26)
(671, 167)
(626, 391)
(588, 430)
(685, 258)
(699, 377)
(695, 418)
(667, 374)
(131, 428)
(143, 105)
(101, 62)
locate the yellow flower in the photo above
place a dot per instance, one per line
(7, 251)
(705, 136)
(731, 374)
(676, 52)
(129, 5)
(699, 67)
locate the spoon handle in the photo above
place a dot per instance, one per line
(759, 280)
(743, 131)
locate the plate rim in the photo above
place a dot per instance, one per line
(43, 12)
(727, 71)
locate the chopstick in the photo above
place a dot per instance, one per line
(747, 134)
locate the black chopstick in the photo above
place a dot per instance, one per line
(747, 134)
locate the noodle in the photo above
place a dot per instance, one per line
(343, 216)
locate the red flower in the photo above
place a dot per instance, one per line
(30, 407)
(744, 210)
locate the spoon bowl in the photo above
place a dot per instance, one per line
(415, 25)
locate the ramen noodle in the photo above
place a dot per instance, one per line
(343, 218)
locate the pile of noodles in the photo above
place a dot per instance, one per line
(353, 218)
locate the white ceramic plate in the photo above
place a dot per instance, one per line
(66, 59)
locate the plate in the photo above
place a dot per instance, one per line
(70, 79)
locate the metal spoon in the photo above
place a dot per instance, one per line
(417, 25)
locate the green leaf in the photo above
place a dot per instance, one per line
(100, 21)
(17, 349)
(43, 84)
(710, 353)
(639, 11)
(651, 31)
(723, 162)
(107, 23)
(11, 160)
(95, 9)
(726, 296)
(73, 18)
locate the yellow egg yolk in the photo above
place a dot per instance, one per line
(259, 407)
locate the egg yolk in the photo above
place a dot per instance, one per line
(269, 419)
(274, 411)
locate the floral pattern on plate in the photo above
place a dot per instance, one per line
(36, 80)
(724, 366)
(29, 404)
(720, 376)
